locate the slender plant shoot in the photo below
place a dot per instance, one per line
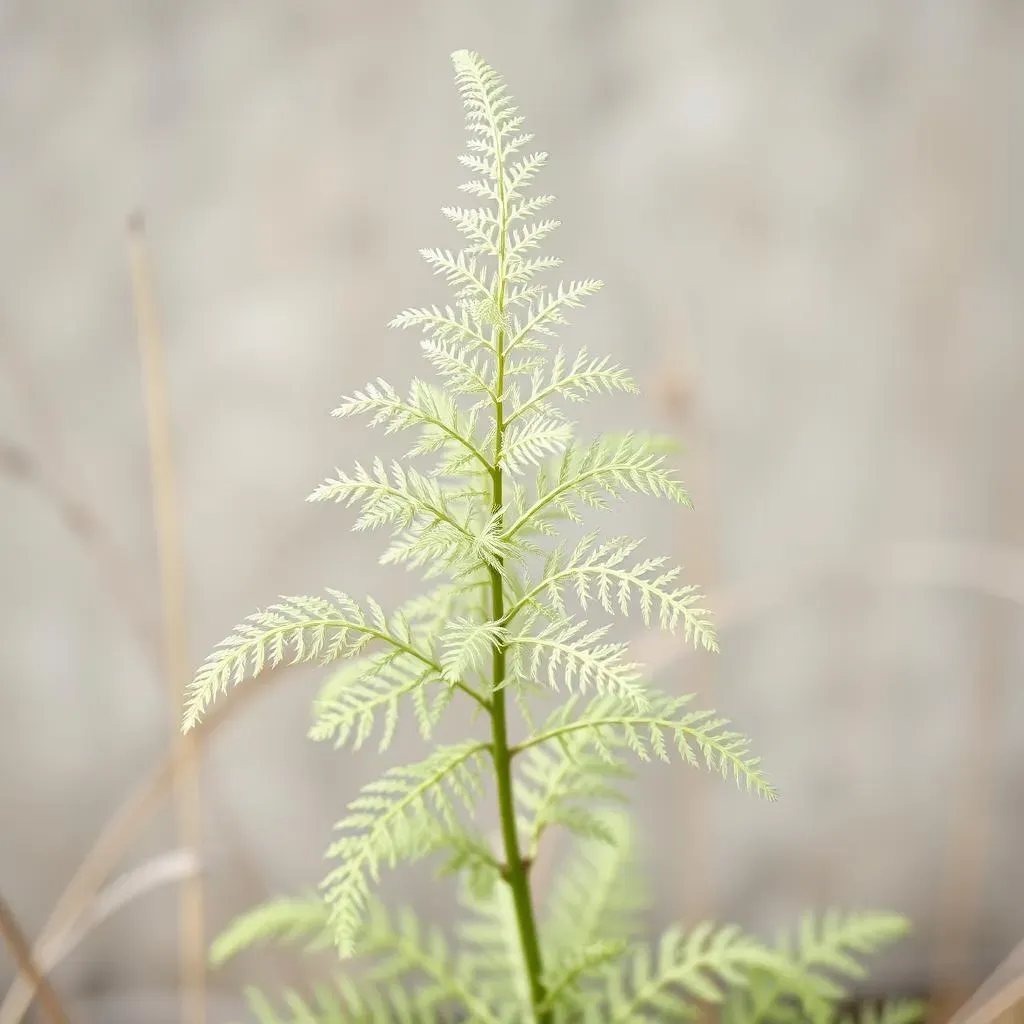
(482, 508)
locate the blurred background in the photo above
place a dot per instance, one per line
(808, 218)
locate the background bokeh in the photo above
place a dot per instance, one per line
(808, 218)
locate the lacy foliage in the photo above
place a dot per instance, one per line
(502, 477)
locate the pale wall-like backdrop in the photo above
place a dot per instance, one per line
(809, 219)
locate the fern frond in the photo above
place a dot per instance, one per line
(404, 946)
(686, 967)
(561, 985)
(463, 372)
(614, 723)
(524, 209)
(436, 414)
(521, 271)
(597, 573)
(598, 895)
(296, 629)
(393, 820)
(461, 270)
(548, 311)
(419, 506)
(557, 781)
(521, 173)
(490, 936)
(430, 611)
(479, 225)
(823, 951)
(827, 942)
(532, 440)
(350, 701)
(288, 920)
(465, 646)
(563, 652)
(471, 856)
(491, 115)
(395, 500)
(808, 967)
(345, 1003)
(602, 471)
(524, 239)
(443, 553)
(585, 376)
(891, 1011)
(443, 326)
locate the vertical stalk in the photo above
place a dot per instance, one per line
(515, 867)
(515, 874)
(191, 941)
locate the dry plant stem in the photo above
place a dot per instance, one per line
(163, 870)
(115, 838)
(972, 827)
(970, 832)
(15, 939)
(189, 804)
(166, 869)
(60, 488)
(82, 522)
(1001, 992)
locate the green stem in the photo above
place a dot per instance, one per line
(515, 873)
(515, 864)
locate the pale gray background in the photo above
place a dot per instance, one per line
(808, 216)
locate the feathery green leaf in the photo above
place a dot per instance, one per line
(288, 920)
(686, 967)
(597, 574)
(506, 472)
(295, 630)
(614, 723)
(565, 653)
(595, 475)
(394, 820)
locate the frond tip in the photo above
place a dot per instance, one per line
(287, 920)
(491, 115)
(807, 967)
(614, 723)
(686, 967)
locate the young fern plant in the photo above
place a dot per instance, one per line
(504, 619)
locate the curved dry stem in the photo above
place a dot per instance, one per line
(27, 963)
(1001, 992)
(19, 465)
(166, 869)
(116, 836)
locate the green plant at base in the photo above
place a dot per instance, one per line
(497, 627)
